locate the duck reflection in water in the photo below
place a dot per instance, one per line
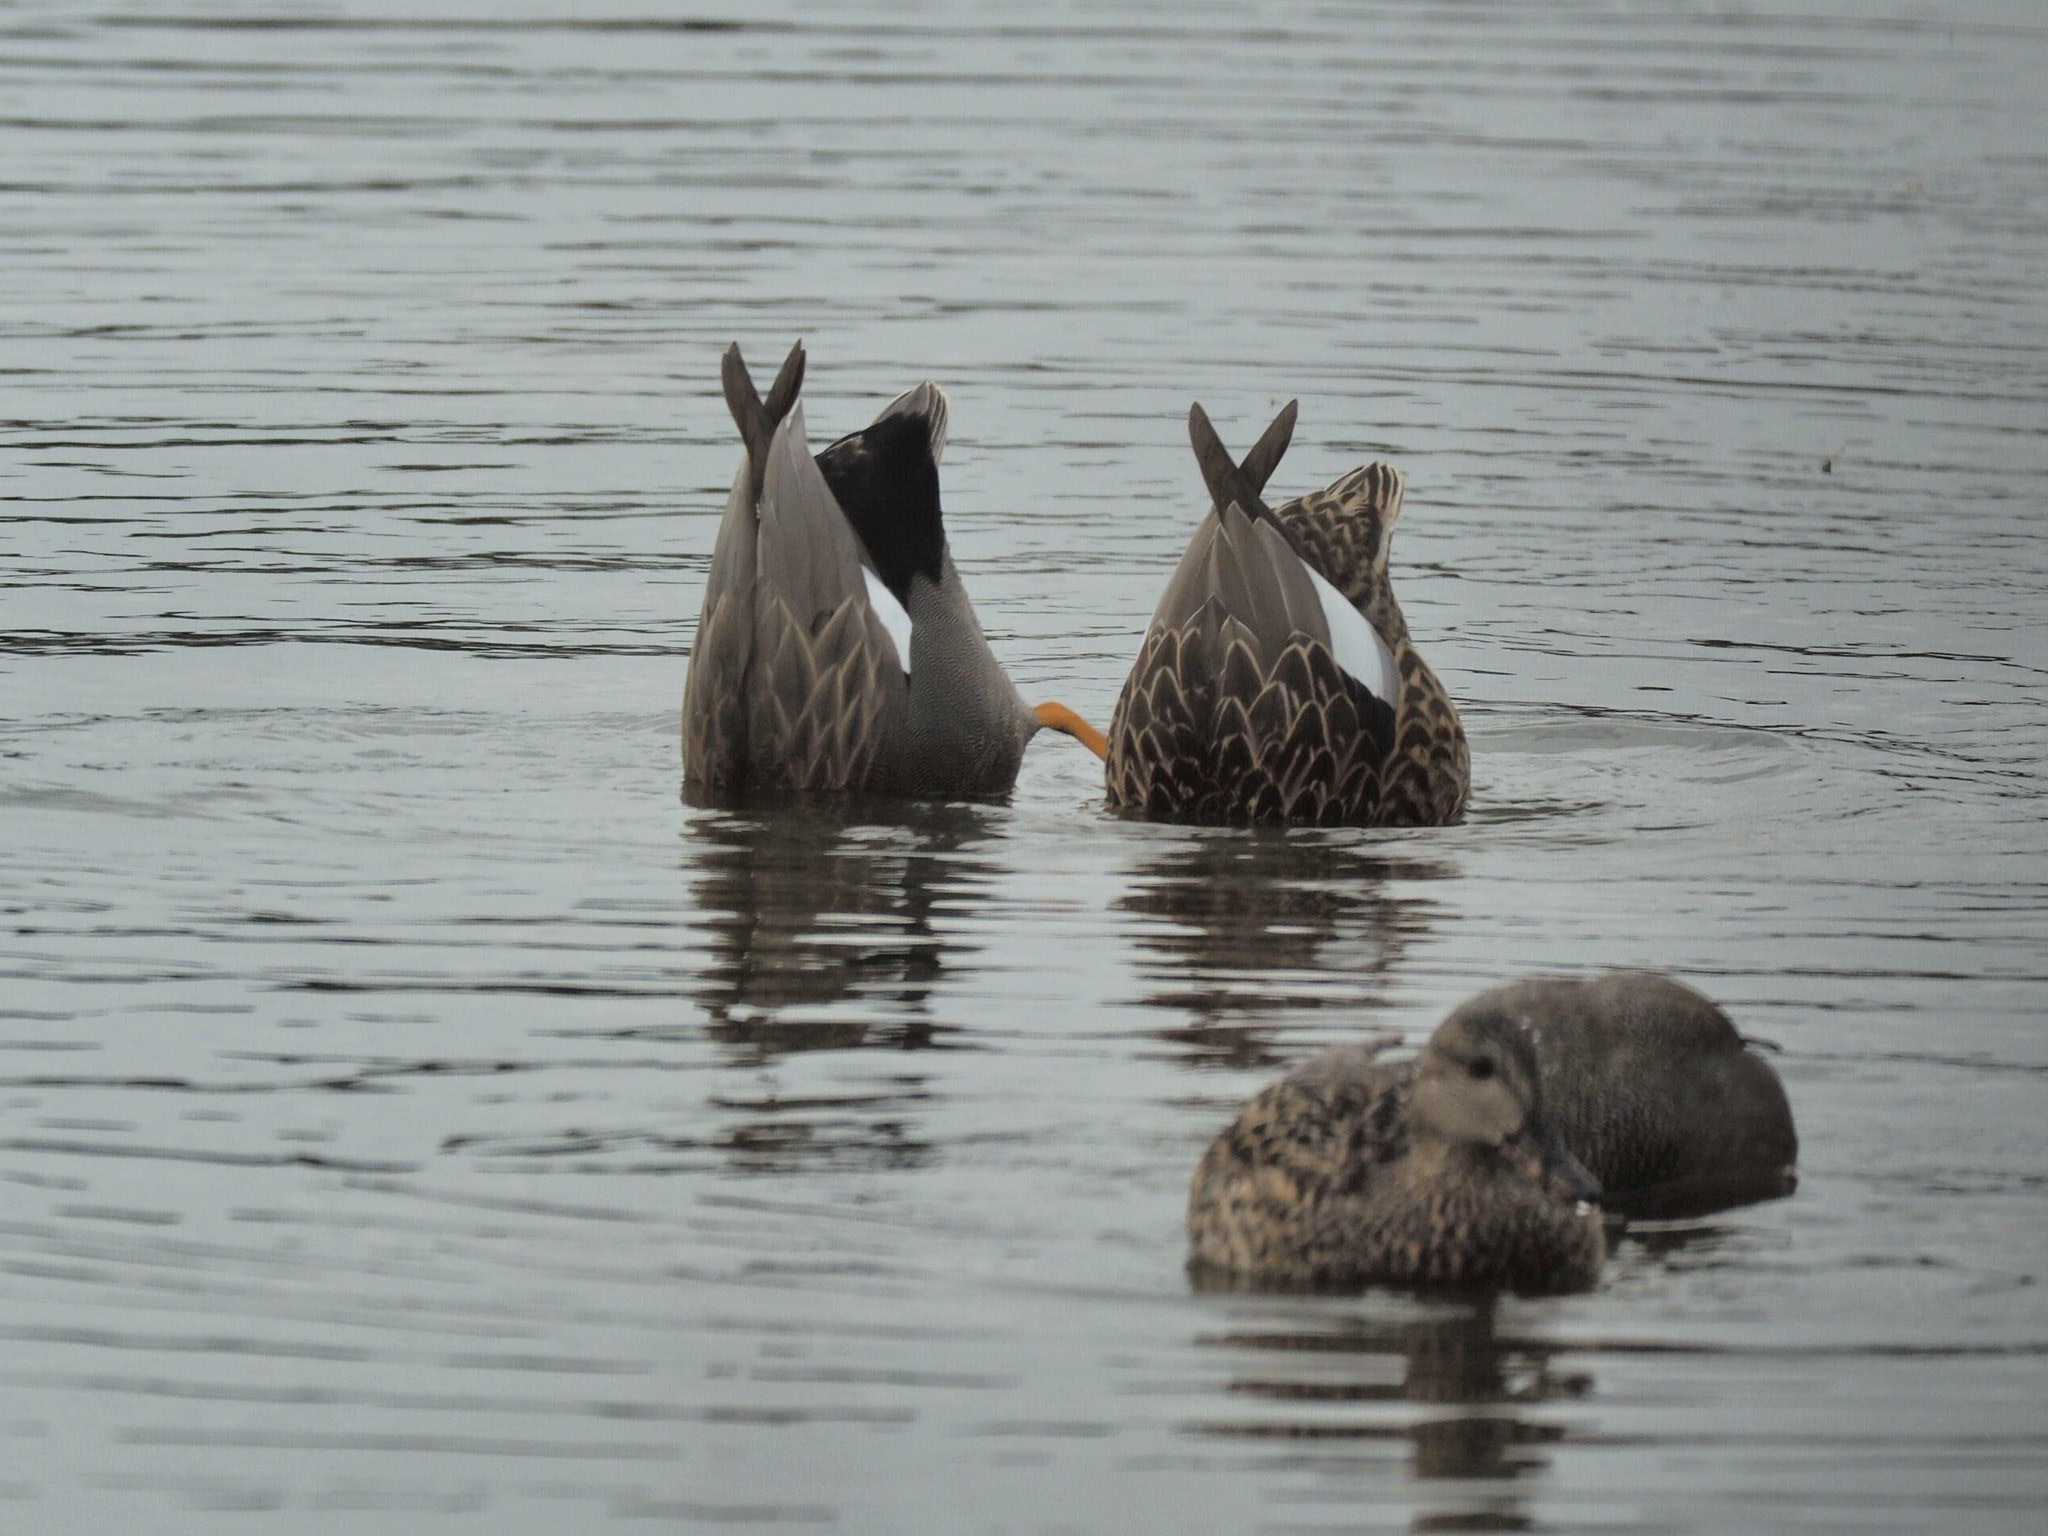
(1246, 927)
(821, 923)
(1337, 1385)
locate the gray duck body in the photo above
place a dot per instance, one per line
(1351, 1170)
(1653, 1089)
(796, 679)
(1245, 704)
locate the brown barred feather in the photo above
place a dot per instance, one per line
(1337, 1176)
(1237, 711)
(818, 703)
(715, 734)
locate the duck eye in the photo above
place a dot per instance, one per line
(1481, 1068)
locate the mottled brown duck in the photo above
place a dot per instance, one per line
(1277, 682)
(1438, 1171)
(1654, 1091)
(837, 649)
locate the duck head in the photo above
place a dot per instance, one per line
(1476, 1085)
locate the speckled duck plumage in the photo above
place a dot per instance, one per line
(1436, 1171)
(826, 571)
(1242, 708)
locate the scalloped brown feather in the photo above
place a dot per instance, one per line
(794, 682)
(1269, 728)
(820, 718)
(1325, 1179)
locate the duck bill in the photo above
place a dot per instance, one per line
(1060, 718)
(1543, 1156)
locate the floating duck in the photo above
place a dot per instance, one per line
(1443, 1170)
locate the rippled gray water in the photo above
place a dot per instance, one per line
(408, 1106)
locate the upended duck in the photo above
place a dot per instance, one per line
(1653, 1089)
(837, 649)
(1277, 681)
(1443, 1170)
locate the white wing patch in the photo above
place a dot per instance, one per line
(1358, 646)
(897, 621)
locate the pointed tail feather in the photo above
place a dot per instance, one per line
(788, 380)
(757, 420)
(1227, 483)
(1265, 456)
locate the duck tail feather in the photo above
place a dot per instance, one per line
(756, 419)
(748, 414)
(1266, 453)
(1226, 482)
(783, 392)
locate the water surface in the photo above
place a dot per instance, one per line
(409, 1108)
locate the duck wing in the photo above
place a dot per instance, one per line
(967, 723)
(829, 695)
(1238, 708)
(795, 680)
(1260, 693)
(1344, 531)
(1292, 1189)
(715, 691)
(715, 713)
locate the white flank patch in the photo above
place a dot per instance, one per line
(1357, 645)
(897, 621)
